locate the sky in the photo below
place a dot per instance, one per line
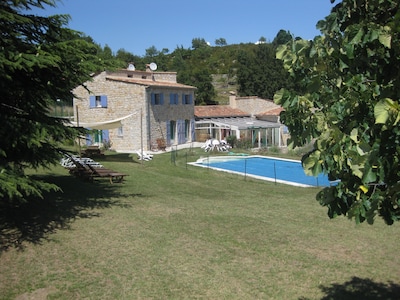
(136, 25)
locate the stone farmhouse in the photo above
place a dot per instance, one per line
(133, 110)
(250, 118)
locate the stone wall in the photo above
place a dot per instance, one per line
(148, 122)
(159, 115)
(145, 75)
(122, 100)
(252, 105)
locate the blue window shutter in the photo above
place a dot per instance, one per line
(190, 99)
(105, 135)
(182, 132)
(92, 101)
(88, 140)
(186, 124)
(168, 125)
(184, 138)
(103, 100)
(192, 130)
(173, 98)
(161, 99)
(179, 133)
(153, 98)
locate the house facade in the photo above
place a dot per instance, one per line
(133, 110)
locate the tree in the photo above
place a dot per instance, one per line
(262, 40)
(127, 57)
(260, 73)
(202, 80)
(220, 42)
(152, 52)
(349, 107)
(41, 61)
(246, 76)
(198, 43)
(282, 37)
(205, 92)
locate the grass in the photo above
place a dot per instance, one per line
(173, 231)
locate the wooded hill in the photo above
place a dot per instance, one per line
(247, 69)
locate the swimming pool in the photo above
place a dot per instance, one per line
(285, 171)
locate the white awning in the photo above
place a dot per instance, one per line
(239, 123)
(110, 124)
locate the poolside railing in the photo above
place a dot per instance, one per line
(271, 173)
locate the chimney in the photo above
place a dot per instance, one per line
(232, 99)
(148, 68)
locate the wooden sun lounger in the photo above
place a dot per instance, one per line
(104, 172)
(89, 171)
(80, 170)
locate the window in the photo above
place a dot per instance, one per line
(172, 125)
(98, 101)
(157, 99)
(186, 99)
(173, 98)
(187, 129)
(120, 131)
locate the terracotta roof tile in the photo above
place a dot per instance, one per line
(271, 112)
(218, 111)
(150, 82)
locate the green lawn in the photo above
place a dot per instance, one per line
(176, 232)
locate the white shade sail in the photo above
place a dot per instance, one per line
(110, 124)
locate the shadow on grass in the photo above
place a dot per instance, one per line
(36, 219)
(361, 288)
(118, 157)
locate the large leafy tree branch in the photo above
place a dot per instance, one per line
(349, 107)
(41, 60)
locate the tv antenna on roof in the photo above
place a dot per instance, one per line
(153, 66)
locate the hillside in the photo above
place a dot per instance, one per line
(223, 85)
(248, 69)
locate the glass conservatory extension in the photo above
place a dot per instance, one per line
(261, 133)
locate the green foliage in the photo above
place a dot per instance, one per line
(349, 107)
(231, 140)
(40, 61)
(260, 73)
(202, 80)
(15, 185)
(257, 71)
(198, 43)
(152, 52)
(244, 144)
(221, 42)
(282, 38)
(126, 57)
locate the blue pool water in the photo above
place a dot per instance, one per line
(267, 168)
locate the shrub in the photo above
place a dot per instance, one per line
(107, 144)
(231, 140)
